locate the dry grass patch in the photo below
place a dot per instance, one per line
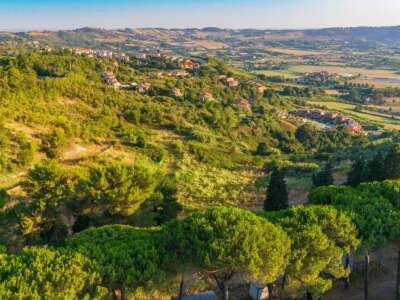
(210, 45)
(295, 52)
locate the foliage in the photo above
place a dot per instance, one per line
(373, 207)
(376, 168)
(316, 140)
(277, 195)
(47, 187)
(55, 143)
(165, 204)
(221, 242)
(43, 273)
(127, 257)
(321, 237)
(324, 176)
(117, 188)
(357, 173)
(4, 197)
(392, 163)
(380, 167)
(200, 185)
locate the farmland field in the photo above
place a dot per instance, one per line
(344, 70)
(377, 77)
(295, 52)
(282, 73)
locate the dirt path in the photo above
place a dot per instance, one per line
(382, 279)
(385, 291)
(298, 197)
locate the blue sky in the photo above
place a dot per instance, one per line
(62, 14)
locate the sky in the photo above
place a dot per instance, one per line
(266, 14)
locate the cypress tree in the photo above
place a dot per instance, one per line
(392, 163)
(357, 172)
(376, 168)
(277, 195)
(324, 177)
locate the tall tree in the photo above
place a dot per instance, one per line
(324, 177)
(277, 195)
(116, 189)
(47, 187)
(321, 236)
(4, 197)
(357, 172)
(128, 257)
(376, 168)
(308, 135)
(55, 143)
(392, 163)
(222, 242)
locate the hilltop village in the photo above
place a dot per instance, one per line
(184, 67)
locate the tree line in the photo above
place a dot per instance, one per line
(382, 166)
(293, 245)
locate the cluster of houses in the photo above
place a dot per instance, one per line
(104, 54)
(110, 79)
(190, 64)
(206, 97)
(232, 82)
(184, 63)
(324, 76)
(243, 104)
(258, 86)
(330, 118)
(229, 81)
(319, 77)
(177, 92)
(175, 73)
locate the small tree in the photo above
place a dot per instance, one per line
(392, 163)
(376, 168)
(223, 242)
(42, 273)
(308, 135)
(277, 195)
(165, 205)
(26, 151)
(47, 187)
(357, 172)
(4, 197)
(262, 149)
(116, 189)
(324, 177)
(321, 237)
(55, 143)
(128, 257)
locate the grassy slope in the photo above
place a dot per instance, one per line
(89, 124)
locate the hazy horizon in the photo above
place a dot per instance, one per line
(16, 30)
(27, 15)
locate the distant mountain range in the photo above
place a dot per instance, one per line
(207, 38)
